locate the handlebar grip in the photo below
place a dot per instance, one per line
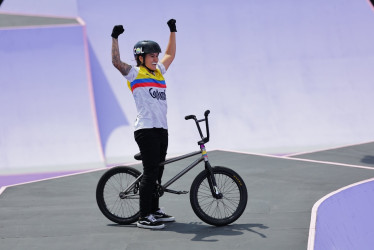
(190, 117)
(207, 113)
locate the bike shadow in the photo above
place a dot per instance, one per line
(203, 231)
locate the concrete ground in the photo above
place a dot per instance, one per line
(62, 213)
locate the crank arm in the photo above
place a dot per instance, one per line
(175, 192)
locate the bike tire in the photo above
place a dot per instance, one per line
(219, 212)
(119, 210)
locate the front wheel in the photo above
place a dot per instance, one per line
(223, 211)
(117, 194)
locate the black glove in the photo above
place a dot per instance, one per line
(171, 24)
(117, 30)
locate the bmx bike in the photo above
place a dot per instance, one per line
(218, 195)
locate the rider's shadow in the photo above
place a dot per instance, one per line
(203, 232)
(369, 159)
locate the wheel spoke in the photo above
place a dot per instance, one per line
(219, 208)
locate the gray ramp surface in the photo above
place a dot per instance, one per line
(13, 20)
(361, 155)
(62, 213)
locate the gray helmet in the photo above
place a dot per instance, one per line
(146, 47)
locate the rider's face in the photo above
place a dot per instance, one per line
(151, 60)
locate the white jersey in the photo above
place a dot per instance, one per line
(149, 91)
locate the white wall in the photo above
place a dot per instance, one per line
(41, 7)
(278, 76)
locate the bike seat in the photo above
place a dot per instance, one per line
(138, 156)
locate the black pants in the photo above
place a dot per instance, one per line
(153, 144)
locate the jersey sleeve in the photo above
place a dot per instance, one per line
(161, 67)
(133, 73)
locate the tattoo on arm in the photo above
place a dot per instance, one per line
(124, 68)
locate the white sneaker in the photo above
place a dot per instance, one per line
(161, 216)
(149, 222)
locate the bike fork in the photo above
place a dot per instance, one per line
(211, 179)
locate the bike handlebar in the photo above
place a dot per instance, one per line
(190, 117)
(203, 139)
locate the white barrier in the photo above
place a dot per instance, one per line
(278, 76)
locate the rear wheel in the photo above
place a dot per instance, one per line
(223, 211)
(117, 205)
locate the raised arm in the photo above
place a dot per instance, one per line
(169, 56)
(124, 68)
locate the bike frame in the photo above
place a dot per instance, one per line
(203, 157)
(184, 171)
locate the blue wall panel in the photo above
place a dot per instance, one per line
(47, 116)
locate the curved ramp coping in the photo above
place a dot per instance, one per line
(344, 219)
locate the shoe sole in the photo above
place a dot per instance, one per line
(150, 227)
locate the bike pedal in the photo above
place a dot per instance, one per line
(175, 192)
